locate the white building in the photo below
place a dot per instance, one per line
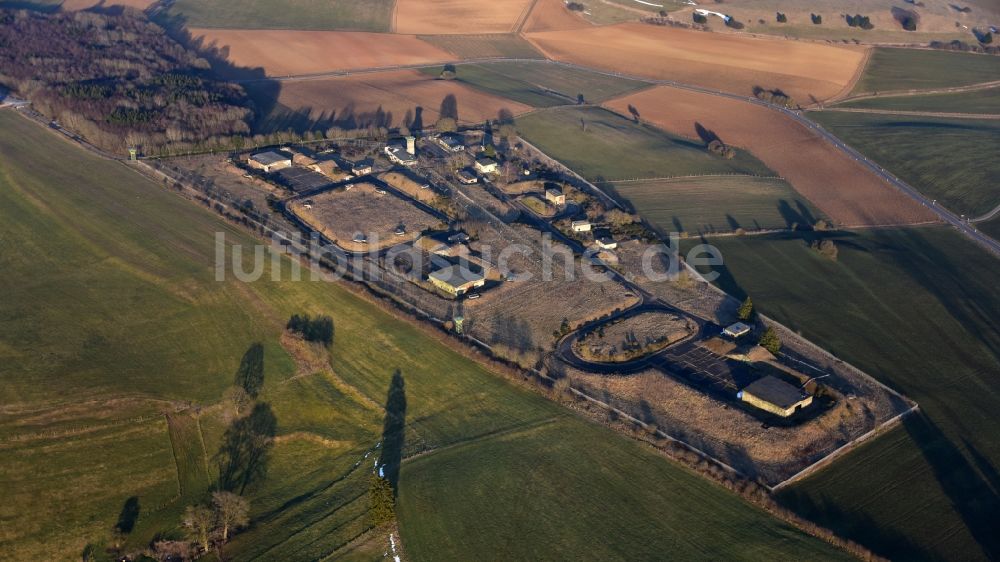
(486, 165)
(581, 226)
(737, 330)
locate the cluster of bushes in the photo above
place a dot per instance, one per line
(857, 20)
(817, 19)
(962, 46)
(117, 80)
(826, 248)
(698, 18)
(318, 329)
(777, 97)
(719, 148)
(575, 6)
(782, 18)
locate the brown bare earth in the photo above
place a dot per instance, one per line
(843, 189)
(289, 53)
(340, 214)
(399, 93)
(458, 16)
(634, 337)
(731, 63)
(552, 15)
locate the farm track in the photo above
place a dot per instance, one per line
(911, 113)
(906, 93)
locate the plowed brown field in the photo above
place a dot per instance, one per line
(552, 15)
(284, 53)
(728, 62)
(398, 93)
(431, 17)
(843, 189)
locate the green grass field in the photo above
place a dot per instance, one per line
(471, 478)
(718, 203)
(507, 45)
(614, 148)
(541, 84)
(312, 15)
(951, 160)
(920, 69)
(111, 309)
(976, 101)
(915, 308)
(991, 227)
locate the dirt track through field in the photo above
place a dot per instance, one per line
(844, 190)
(552, 15)
(807, 71)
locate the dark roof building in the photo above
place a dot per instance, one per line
(775, 396)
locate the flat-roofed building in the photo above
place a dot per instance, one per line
(776, 396)
(456, 280)
(269, 161)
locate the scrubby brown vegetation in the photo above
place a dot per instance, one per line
(118, 80)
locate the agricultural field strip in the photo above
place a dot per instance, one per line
(947, 216)
(694, 176)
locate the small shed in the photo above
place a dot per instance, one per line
(362, 167)
(737, 330)
(776, 396)
(580, 226)
(466, 177)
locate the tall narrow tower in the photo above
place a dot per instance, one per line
(411, 145)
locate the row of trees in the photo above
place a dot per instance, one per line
(775, 96)
(857, 20)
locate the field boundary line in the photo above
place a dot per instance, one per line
(204, 450)
(906, 113)
(522, 18)
(696, 176)
(918, 92)
(853, 82)
(173, 452)
(877, 431)
(515, 430)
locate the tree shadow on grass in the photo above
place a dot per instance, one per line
(128, 516)
(970, 495)
(393, 430)
(245, 449)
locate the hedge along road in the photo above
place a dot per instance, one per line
(961, 224)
